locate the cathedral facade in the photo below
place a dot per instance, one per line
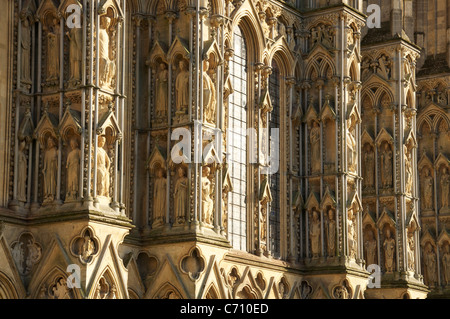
(204, 149)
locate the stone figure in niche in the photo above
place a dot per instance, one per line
(182, 88)
(408, 171)
(25, 44)
(314, 234)
(107, 67)
(22, 172)
(314, 36)
(73, 170)
(53, 51)
(351, 146)
(389, 248)
(445, 183)
(88, 248)
(50, 170)
(103, 166)
(410, 251)
(61, 290)
(384, 65)
(369, 164)
(446, 264)
(75, 47)
(207, 202)
(33, 256)
(159, 197)
(386, 166)
(209, 95)
(352, 236)
(331, 234)
(430, 265)
(181, 196)
(427, 191)
(18, 256)
(161, 104)
(370, 244)
(314, 139)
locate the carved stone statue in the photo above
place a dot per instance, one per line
(53, 52)
(182, 88)
(33, 256)
(446, 264)
(73, 170)
(50, 170)
(209, 95)
(331, 234)
(18, 256)
(181, 196)
(25, 44)
(369, 166)
(410, 251)
(352, 235)
(159, 197)
(386, 166)
(22, 172)
(445, 183)
(61, 290)
(384, 65)
(370, 245)
(314, 36)
(389, 248)
(314, 234)
(427, 191)
(107, 66)
(314, 139)
(408, 171)
(207, 202)
(429, 261)
(88, 248)
(103, 165)
(351, 147)
(161, 104)
(75, 48)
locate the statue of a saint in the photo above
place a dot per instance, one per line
(446, 264)
(331, 234)
(25, 44)
(430, 265)
(75, 47)
(50, 170)
(53, 52)
(22, 172)
(73, 170)
(352, 236)
(107, 66)
(207, 202)
(445, 183)
(386, 166)
(389, 248)
(369, 166)
(427, 193)
(182, 88)
(314, 234)
(410, 251)
(209, 95)
(181, 196)
(161, 105)
(370, 244)
(314, 139)
(103, 165)
(159, 197)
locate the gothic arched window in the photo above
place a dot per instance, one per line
(274, 123)
(237, 125)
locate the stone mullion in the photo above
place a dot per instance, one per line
(290, 246)
(61, 102)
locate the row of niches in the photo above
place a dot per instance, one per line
(171, 193)
(49, 166)
(62, 48)
(435, 253)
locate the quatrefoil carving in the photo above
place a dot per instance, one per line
(193, 264)
(85, 246)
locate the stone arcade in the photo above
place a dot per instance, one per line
(87, 176)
